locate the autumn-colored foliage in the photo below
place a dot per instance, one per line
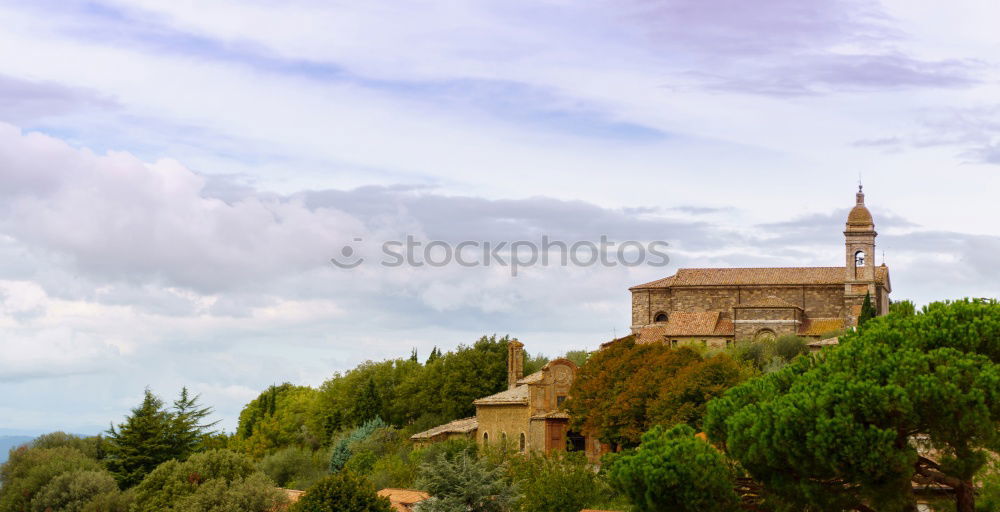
(626, 388)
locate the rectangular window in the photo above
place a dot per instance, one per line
(559, 400)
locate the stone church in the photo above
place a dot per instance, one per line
(717, 306)
(528, 416)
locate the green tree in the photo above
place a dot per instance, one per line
(188, 428)
(557, 482)
(413, 355)
(579, 357)
(672, 470)
(142, 442)
(867, 310)
(464, 482)
(902, 307)
(435, 354)
(30, 469)
(683, 398)
(837, 431)
(341, 492)
(253, 493)
(211, 477)
(70, 492)
(293, 467)
(342, 450)
(369, 403)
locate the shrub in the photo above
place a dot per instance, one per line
(255, 493)
(69, 492)
(560, 482)
(465, 483)
(341, 492)
(342, 450)
(292, 467)
(790, 346)
(112, 501)
(171, 482)
(29, 469)
(674, 471)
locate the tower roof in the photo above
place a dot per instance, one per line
(860, 219)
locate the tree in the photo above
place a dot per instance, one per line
(70, 492)
(464, 482)
(211, 479)
(556, 482)
(152, 435)
(684, 397)
(435, 354)
(293, 467)
(902, 307)
(253, 493)
(672, 470)
(413, 355)
(187, 428)
(613, 394)
(840, 430)
(369, 403)
(342, 450)
(341, 492)
(29, 469)
(867, 310)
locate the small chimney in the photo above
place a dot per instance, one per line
(515, 363)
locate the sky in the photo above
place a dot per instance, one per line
(175, 176)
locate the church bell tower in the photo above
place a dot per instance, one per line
(859, 239)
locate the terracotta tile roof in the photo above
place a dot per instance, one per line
(531, 379)
(758, 276)
(518, 395)
(462, 426)
(403, 499)
(817, 326)
(768, 302)
(705, 323)
(725, 327)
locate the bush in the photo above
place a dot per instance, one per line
(465, 483)
(292, 467)
(560, 482)
(674, 471)
(341, 492)
(255, 493)
(30, 469)
(342, 450)
(69, 492)
(790, 346)
(92, 447)
(112, 501)
(172, 483)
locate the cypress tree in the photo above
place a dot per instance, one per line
(867, 310)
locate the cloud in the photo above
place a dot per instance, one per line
(26, 100)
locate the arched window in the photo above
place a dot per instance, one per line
(521, 443)
(660, 317)
(764, 335)
(486, 438)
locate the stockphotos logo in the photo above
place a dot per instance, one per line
(515, 255)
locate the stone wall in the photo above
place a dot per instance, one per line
(497, 420)
(816, 301)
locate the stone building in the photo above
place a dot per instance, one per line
(716, 306)
(527, 416)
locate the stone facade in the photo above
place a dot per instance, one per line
(748, 303)
(528, 416)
